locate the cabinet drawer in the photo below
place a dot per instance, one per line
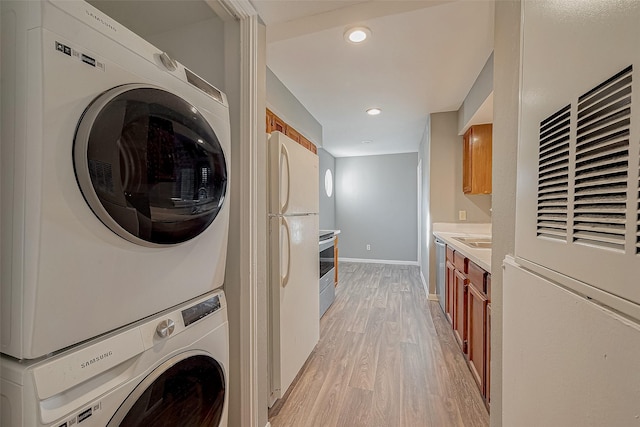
(460, 262)
(450, 254)
(477, 276)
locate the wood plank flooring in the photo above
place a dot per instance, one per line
(386, 358)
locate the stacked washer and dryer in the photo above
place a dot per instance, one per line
(114, 227)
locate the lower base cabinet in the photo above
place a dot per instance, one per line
(468, 309)
(460, 310)
(477, 332)
(487, 393)
(449, 288)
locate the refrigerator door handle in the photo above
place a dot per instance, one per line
(285, 279)
(285, 153)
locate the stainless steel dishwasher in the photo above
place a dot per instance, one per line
(441, 259)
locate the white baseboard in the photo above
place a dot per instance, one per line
(378, 261)
(433, 297)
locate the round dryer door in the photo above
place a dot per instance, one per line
(189, 391)
(150, 165)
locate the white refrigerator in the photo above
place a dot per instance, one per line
(571, 294)
(293, 260)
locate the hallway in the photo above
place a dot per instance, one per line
(386, 358)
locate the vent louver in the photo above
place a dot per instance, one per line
(553, 175)
(602, 163)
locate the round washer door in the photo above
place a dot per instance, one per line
(187, 390)
(149, 165)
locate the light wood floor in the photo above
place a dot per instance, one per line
(386, 358)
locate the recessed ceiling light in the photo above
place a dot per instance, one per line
(366, 142)
(357, 34)
(374, 111)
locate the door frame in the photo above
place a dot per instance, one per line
(252, 212)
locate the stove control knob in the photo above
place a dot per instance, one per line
(165, 328)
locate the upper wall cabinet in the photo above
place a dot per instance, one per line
(275, 123)
(476, 169)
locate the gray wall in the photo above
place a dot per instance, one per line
(505, 137)
(445, 183)
(376, 204)
(286, 106)
(186, 45)
(481, 89)
(196, 39)
(327, 215)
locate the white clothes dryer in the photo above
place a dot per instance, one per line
(169, 370)
(115, 175)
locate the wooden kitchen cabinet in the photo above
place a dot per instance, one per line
(278, 125)
(275, 123)
(487, 369)
(460, 309)
(468, 309)
(269, 117)
(476, 160)
(449, 291)
(293, 134)
(459, 299)
(449, 286)
(477, 332)
(308, 145)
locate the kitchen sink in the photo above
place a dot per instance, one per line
(475, 242)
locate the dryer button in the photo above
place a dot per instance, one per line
(168, 62)
(165, 328)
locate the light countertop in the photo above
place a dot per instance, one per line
(447, 232)
(335, 232)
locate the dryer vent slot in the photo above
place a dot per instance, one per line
(602, 164)
(553, 175)
(638, 214)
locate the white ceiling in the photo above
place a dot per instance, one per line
(422, 58)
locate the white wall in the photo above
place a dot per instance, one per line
(505, 137)
(424, 153)
(262, 332)
(327, 215)
(376, 204)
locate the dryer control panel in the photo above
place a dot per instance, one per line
(198, 311)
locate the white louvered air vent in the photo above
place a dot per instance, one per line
(553, 175)
(602, 163)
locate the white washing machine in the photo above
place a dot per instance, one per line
(169, 370)
(114, 179)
